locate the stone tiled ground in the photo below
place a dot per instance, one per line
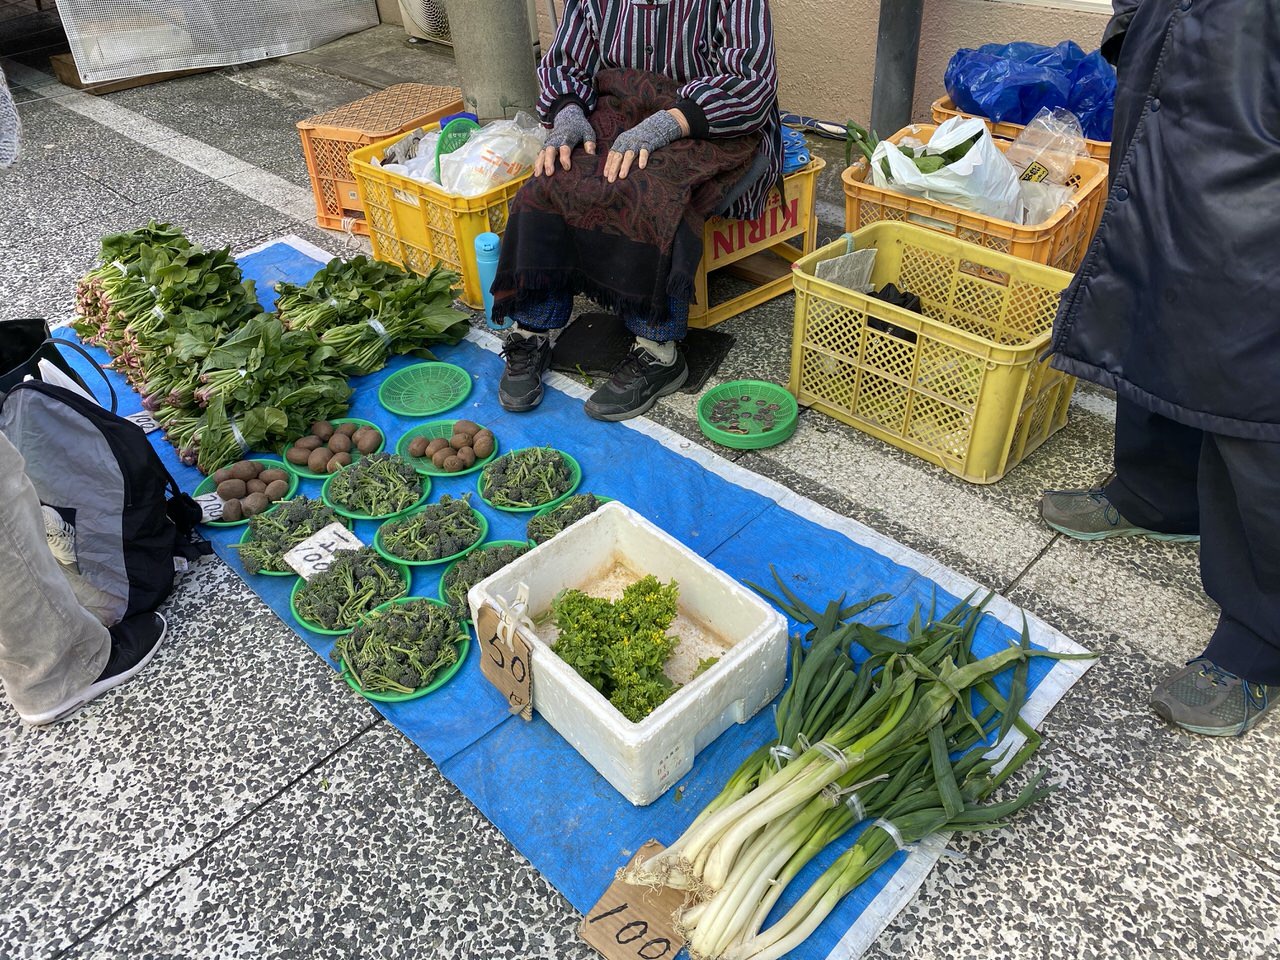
(184, 817)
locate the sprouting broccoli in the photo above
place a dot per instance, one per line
(272, 535)
(473, 568)
(379, 485)
(545, 526)
(402, 648)
(437, 532)
(526, 478)
(355, 583)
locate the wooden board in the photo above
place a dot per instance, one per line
(64, 67)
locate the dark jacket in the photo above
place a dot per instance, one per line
(1177, 305)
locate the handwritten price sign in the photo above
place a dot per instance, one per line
(506, 660)
(315, 554)
(144, 420)
(634, 923)
(210, 507)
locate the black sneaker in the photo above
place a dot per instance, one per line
(636, 384)
(133, 644)
(527, 359)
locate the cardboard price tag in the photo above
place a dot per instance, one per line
(507, 665)
(210, 507)
(315, 554)
(635, 923)
(144, 420)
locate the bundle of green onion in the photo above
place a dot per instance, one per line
(856, 742)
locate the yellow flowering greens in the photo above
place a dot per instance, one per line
(621, 646)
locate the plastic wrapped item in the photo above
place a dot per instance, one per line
(493, 155)
(1013, 82)
(981, 180)
(10, 127)
(1045, 156)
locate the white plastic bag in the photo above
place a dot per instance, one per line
(492, 156)
(982, 180)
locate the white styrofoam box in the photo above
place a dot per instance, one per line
(641, 760)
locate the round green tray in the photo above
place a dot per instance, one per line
(383, 552)
(484, 546)
(463, 643)
(424, 389)
(293, 604)
(455, 133)
(344, 512)
(246, 537)
(208, 486)
(575, 478)
(552, 506)
(309, 475)
(442, 429)
(752, 397)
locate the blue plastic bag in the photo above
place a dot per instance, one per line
(1011, 83)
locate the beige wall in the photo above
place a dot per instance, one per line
(827, 48)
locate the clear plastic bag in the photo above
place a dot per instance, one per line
(493, 155)
(1045, 155)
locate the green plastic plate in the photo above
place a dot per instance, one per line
(384, 552)
(748, 414)
(455, 134)
(208, 486)
(575, 478)
(355, 515)
(424, 389)
(485, 546)
(463, 643)
(441, 429)
(293, 604)
(309, 475)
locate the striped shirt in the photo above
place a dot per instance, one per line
(719, 51)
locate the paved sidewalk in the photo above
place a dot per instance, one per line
(240, 802)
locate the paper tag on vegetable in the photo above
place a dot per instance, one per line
(314, 554)
(635, 923)
(506, 660)
(144, 420)
(210, 507)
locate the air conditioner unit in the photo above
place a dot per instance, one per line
(426, 20)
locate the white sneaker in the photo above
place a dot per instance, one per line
(61, 536)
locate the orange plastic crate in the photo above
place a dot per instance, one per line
(329, 138)
(945, 109)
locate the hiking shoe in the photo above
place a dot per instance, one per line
(636, 384)
(1205, 699)
(133, 644)
(527, 360)
(1089, 515)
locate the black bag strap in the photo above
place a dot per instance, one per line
(59, 342)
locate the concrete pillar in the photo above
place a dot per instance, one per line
(493, 45)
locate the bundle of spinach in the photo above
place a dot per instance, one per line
(355, 583)
(473, 568)
(433, 533)
(272, 535)
(366, 310)
(620, 647)
(400, 649)
(526, 478)
(379, 485)
(543, 527)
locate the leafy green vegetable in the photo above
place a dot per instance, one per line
(355, 583)
(438, 531)
(620, 647)
(400, 649)
(542, 528)
(526, 478)
(377, 485)
(272, 535)
(473, 568)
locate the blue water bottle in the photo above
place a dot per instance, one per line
(486, 269)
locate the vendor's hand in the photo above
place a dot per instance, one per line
(569, 129)
(636, 144)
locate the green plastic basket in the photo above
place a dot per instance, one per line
(438, 429)
(463, 643)
(748, 414)
(424, 389)
(542, 511)
(354, 515)
(455, 134)
(208, 486)
(309, 475)
(384, 552)
(575, 478)
(293, 604)
(484, 546)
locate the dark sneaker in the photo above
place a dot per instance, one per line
(1089, 515)
(1205, 699)
(527, 360)
(133, 644)
(636, 384)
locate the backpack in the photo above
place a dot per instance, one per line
(133, 526)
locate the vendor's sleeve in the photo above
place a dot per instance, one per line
(739, 98)
(1113, 36)
(568, 69)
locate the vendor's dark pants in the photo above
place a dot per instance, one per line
(1175, 479)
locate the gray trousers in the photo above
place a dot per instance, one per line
(51, 647)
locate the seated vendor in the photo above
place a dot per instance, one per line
(662, 113)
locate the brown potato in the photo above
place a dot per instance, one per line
(339, 461)
(440, 456)
(271, 476)
(367, 440)
(340, 443)
(221, 475)
(466, 426)
(467, 456)
(232, 489)
(276, 490)
(439, 443)
(232, 512)
(254, 504)
(418, 446)
(483, 433)
(245, 470)
(298, 456)
(460, 440)
(322, 429)
(348, 428)
(453, 464)
(318, 460)
(482, 446)
(309, 443)
(256, 486)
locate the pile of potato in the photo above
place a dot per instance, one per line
(329, 448)
(470, 442)
(247, 489)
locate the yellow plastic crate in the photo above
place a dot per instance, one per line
(945, 109)
(962, 384)
(415, 224)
